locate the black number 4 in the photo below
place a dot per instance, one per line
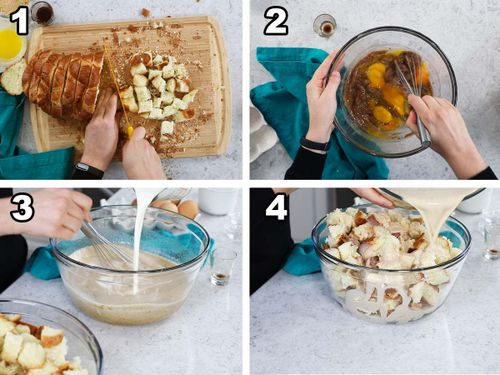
(278, 16)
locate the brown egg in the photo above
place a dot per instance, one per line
(159, 203)
(134, 202)
(167, 205)
(188, 208)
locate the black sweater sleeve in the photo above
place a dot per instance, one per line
(270, 239)
(307, 165)
(13, 253)
(487, 174)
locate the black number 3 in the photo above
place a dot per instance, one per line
(25, 210)
(278, 16)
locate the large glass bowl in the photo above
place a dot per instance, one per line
(366, 292)
(401, 142)
(135, 297)
(81, 342)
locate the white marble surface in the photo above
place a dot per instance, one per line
(228, 13)
(467, 31)
(297, 327)
(204, 336)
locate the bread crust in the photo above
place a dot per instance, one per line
(58, 84)
(29, 72)
(37, 71)
(90, 96)
(47, 76)
(68, 96)
(82, 83)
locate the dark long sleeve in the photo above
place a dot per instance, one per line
(307, 165)
(270, 239)
(487, 174)
(13, 253)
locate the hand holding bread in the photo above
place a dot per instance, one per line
(101, 134)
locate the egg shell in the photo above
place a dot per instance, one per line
(159, 203)
(189, 208)
(167, 205)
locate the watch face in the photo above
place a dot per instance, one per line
(83, 167)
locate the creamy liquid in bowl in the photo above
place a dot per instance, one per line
(127, 298)
(434, 205)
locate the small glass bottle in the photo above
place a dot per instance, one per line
(42, 13)
(325, 25)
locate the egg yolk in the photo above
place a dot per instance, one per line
(375, 73)
(382, 114)
(10, 44)
(394, 96)
(425, 74)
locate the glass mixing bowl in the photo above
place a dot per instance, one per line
(367, 293)
(135, 297)
(81, 342)
(401, 142)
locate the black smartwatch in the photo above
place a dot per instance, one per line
(86, 172)
(314, 145)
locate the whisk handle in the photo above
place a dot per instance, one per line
(423, 134)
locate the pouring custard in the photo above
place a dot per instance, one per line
(434, 205)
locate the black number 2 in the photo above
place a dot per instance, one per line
(25, 210)
(278, 16)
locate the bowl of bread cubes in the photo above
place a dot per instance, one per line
(380, 267)
(39, 339)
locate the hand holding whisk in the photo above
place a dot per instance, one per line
(414, 87)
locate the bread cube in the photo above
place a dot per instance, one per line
(32, 355)
(145, 106)
(159, 83)
(140, 80)
(142, 93)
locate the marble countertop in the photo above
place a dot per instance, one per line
(467, 31)
(228, 13)
(297, 327)
(204, 336)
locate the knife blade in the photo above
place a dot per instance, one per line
(130, 129)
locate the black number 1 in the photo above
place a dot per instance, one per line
(20, 16)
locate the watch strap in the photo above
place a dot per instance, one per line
(86, 172)
(314, 145)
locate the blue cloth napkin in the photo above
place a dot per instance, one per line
(284, 106)
(16, 163)
(303, 259)
(43, 265)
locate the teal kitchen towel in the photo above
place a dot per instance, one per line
(50, 165)
(42, 264)
(283, 104)
(15, 163)
(303, 259)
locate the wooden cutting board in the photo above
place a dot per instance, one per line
(195, 41)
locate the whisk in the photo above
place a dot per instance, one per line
(414, 87)
(108, 253)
